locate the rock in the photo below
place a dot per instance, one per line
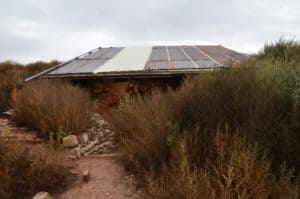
(70, 141)
(42, 195)
(78, 153)
(74, 172)
(102, 123)
(86, 176)
(72, 157)
(89, 147)
(107, 131)
(100, 134)
(85, 138)
(8, 113)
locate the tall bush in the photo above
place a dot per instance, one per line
(49, 105)
(12, 76)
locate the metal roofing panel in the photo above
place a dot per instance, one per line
(90, 66)
(157, 65)
(145, 60)
(194, 53)
(206, 64)
(96, 55)
(103, 53)
(158, 54)
(221, 54)
(111, 52)
(129, 59)
(176, 53)
(70, 67)
(183, 64)
(235, 55)
(89, 62)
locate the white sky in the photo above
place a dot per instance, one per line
(32, 30)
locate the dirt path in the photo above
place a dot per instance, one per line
(108, 178)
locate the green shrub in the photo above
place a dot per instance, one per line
(47, 105)
(55, 138)
(285, 51)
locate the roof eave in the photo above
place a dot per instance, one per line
(133, 74)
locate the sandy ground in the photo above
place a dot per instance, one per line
(108, 178)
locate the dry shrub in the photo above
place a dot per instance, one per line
(144, 124)
(233, 99)
(25, 171)
(49, 105)
(233, 169)
(151, 127)
(12, 76)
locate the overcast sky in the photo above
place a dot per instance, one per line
(32, 30)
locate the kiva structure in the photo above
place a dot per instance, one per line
(143, 62)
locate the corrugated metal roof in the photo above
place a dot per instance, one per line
(129, 59)
(145, 59)
(88, 63)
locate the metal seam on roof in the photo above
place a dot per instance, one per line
(170, 65)
(208, 56)
(128, 59)
(195, 64)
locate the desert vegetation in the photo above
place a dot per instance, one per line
(48, 106)
(226, 134)
(12, 76)
(26, 170)
(231, 134)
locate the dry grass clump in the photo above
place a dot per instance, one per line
(25, 171)
(49, 105)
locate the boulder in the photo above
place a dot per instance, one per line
(42, 195)
(70, 141)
